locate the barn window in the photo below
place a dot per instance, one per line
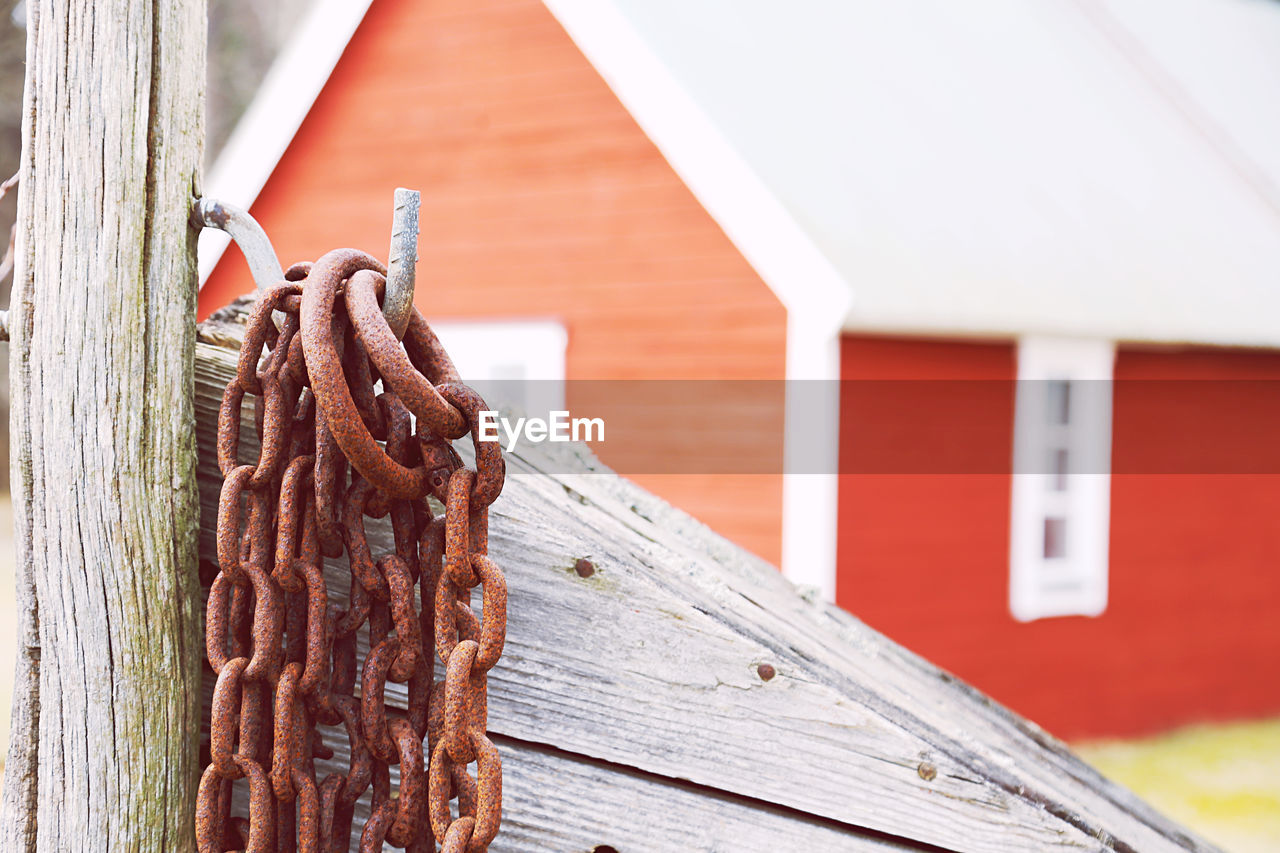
(517, 364)
(1060, 514)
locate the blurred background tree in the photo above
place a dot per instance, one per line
(13, 46)
(244, 38)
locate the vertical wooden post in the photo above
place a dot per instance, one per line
(105, 727)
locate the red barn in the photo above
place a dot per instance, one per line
(1037, 253)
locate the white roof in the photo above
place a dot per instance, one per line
(1105, 168)
(1087, 167)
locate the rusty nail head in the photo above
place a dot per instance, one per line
(584, 567)
(766, 671)
(927, 771)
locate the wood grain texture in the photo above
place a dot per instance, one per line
(557, 801)
(104, 756)
(649, 667)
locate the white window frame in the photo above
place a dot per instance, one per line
(1078, 499)
(483, 349)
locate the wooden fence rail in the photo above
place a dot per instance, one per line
(631, 712)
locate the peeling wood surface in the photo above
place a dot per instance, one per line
(645, 675)
(103, 468)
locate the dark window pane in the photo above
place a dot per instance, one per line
(1059, 393)
(1058, 470)
(1055, 538)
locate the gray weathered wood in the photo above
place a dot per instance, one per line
(555, 801)
(104, 753)
(647, 669)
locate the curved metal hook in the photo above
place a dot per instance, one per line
(402, 262)
(264, 266)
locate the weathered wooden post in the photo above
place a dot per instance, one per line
(103, 752)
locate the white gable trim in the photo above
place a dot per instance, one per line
(276, 112)
(812, 291)
(752, 217)
(816, 296)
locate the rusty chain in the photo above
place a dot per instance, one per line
(285, 644)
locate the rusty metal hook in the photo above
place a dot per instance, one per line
(264, 266)
(397, 304)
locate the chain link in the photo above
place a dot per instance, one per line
(333, 451)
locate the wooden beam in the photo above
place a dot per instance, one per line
(645, 676)
(103, 752)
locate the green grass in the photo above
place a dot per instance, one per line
(1221, 781)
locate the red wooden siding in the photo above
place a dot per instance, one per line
(541, 197)
(1190, 632)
